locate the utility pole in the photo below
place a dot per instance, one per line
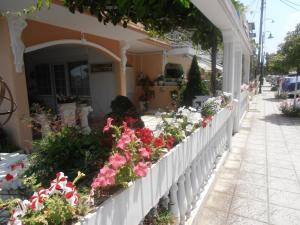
(259, 63)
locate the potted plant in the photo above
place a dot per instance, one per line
(67, 109)
(160, 80)
(40, 120)
(147, 92)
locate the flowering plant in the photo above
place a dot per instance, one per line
(288, 109)
(244, 87)
(11, 179)
(211, 107)
(42, 205)
(133, 152)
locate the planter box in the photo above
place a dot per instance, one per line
(131, 205)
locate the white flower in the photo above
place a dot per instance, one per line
(189, 128)
(194, 118)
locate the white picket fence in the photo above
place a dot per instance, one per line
(243, 104)
(176, 180)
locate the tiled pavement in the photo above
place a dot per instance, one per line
(260, 180)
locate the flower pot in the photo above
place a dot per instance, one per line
(68, 113)
(84, 111)
(44, 122)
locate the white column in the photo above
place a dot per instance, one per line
(228, 64)
(247, 68)
(237, 85)
(124, 47)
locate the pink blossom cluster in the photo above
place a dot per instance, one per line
(133, 149)
(60, 185)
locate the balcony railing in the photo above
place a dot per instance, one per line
(177, 180)
(243, 104)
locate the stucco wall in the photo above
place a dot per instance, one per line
(17, 128)
(37, 33)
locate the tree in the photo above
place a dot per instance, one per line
(291, 49)
(194, 86)
(275, 64)
(291, 52)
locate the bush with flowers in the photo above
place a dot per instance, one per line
(133, 152)
(288, 108)
(57, 204)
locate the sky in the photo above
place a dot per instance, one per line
(285, 19)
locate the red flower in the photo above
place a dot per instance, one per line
(159, 141)
(145, 135)
(170, 142)
(204, 123)
(130, 120)
(9, 177)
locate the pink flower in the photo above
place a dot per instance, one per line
(117, 160)
(58, 184)
(127, 136)
(108, 124)
(106, 177)
(141, 169)
(145, 152)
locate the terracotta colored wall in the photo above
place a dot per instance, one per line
(17, 128)
(37, 33)
(151, 64)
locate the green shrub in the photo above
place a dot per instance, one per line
(195, 86)
(57, 211)
(69, 151)
(122, 110)
(288, 109)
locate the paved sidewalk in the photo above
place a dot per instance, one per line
(259, 182)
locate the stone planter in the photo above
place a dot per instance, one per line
(84, 111)
(42, 119)
(67, 112)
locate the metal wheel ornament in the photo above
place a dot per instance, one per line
(6, 98)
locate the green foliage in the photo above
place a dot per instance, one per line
(194, 86)
(68, 150)
(57, 211)
(210, 108)
(239, 6)
(291, 49)
(163, 217)
(275, 64)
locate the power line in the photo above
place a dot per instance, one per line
(287, 4)
(292, 3)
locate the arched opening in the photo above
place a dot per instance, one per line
(60, 72)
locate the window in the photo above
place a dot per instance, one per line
(173, 71)
(60, 79)
(43, 79)
(79, 78)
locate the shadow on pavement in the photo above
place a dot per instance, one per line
(280, 119)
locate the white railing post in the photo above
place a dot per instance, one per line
(195, 183)
(173, 204)
(182, 199)
(188, 192)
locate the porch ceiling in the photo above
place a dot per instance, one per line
(223, 14)
(60, 16)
